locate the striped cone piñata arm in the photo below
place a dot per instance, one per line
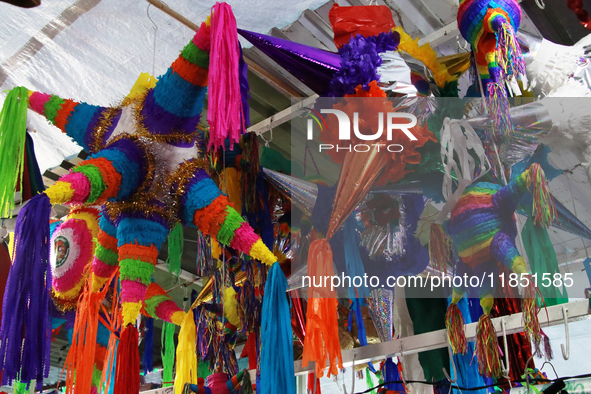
(113, 174)
(139, 240)
(204, 206)
(89, 125)
(160, 305)
(106, 258)
(174, 105)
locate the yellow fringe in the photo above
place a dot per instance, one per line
(130, 312)
(92, 221)
(231, 307)
(177, 317)
(60, 192)
(143, 83)
(259, 251)
(427, 55)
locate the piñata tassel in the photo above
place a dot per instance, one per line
(127, 374)
(322, 336)
(544, 209)
(224, 112)
(508, 52)
(13, 131)
(276, 358)
(502, 125)
(440, 247)
(456, 331)
(531, 324)
(547, 346)
(175, 249)
(246, 386)
(186, 358)
(487, 348)
(25, 336)
(148, 357)
(167, 355)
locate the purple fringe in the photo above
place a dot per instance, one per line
(161, 122)
(25, 334)
(359, 62)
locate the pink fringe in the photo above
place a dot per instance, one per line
(244, 238)
(37, 101)
(102, 269)
(132, 291)
(165, 309)
(201, 39)
(224, 112)
(81, 186)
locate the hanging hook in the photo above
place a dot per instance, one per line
(540, 4)
(565, 354)
(268, 141)
(462, 47)
(506, 366)
(154, 46)
(453, 364)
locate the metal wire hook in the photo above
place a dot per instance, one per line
(154, 44)
(565, 354)
(541, 5)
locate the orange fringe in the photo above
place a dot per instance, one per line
(149, 254)
(79, 363)
(107, 241)
(190, 72)
(111, 178)
(64, 113)
(204, 218)
(322, 335)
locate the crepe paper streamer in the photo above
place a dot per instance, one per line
(160, 305)
(147, 359)
(167, 353)
(186, 358)
(322, 339)
(106, 258)
(127, 376)
(428, 57)
(454, 323)
(231, 307)
(366, 21)
(359, 62)
(80, 363)
(224, 110)
(13, 130)
(276, 354)
(487, 349)
(26, 327)
(175, 249)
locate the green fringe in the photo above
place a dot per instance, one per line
(52, 106)
(13, 128)
(167, 343)
(195, 55)
(97, 184)
(175, 249)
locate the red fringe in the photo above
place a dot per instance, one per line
(454, 322)
(127, 375)
(487, 348)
